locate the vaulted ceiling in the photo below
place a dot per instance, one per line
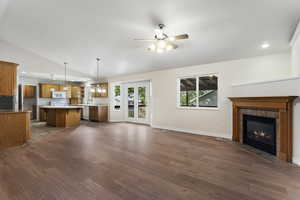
(79, 31)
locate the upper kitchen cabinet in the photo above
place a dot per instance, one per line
(97, 94)
(105, 87)
(8, 78)
(68, 91)
(29, 91)
(47, 89)
(76, 92)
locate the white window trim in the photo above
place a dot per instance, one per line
(197, 88)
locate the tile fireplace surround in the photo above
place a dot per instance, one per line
(280, 108)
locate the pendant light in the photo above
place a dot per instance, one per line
(98, 88)
(65, 87)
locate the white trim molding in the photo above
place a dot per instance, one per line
(197, 107)
(195, 132)
(265, 82)
(296, 35)
(116, 121)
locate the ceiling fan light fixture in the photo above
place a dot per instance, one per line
(152, 47)
(159, 33)
(161, 44)
(172, 38)
(159, 50)
(169, 47)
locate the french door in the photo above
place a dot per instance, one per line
(137, 102)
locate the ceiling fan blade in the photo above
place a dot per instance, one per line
(182, 37)
(146, 40)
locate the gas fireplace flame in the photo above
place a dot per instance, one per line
(261, 134)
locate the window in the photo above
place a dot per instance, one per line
(117, 97)
(201, 91)
(188, 92)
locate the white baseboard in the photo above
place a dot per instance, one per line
(296, 160)
(206, 133)
(116, 121)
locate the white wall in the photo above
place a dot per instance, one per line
(296, 58)
(165, 114)
(248, 72)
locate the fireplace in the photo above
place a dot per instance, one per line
(260, 132)
(269, 126)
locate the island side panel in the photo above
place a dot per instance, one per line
(15, 129)
(73, 117)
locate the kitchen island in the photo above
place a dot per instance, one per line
(62, 116)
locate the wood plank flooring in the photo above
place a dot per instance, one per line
(119, 161)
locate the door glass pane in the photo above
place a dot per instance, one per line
(131, 102)
(117, 97)
(142, 102)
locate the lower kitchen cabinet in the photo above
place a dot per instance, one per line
(98, 113)
(43, 115)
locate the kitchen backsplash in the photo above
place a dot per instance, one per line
(100, 101)
(58, 102)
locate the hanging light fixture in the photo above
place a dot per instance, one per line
(102, 90)
(98, 88)
(66, 86)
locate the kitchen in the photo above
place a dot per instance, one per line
(27, 100)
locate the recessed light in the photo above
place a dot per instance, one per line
(265, 45)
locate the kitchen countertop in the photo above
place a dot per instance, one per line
(92, 105)
(61, 107)
(9, 111)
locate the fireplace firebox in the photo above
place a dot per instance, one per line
(260, 132)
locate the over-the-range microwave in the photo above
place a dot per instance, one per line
(59, 95)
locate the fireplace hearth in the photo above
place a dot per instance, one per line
(260, 133)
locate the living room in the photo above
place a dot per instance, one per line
(195, 100)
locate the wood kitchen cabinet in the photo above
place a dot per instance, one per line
(76, 91)
(15, 128)
(97, 94)
(8, 78)
(46, 89)
(68, 91)
(98, 113)
(75, 101)
(43, 115)
(29, 91)
(73, 91)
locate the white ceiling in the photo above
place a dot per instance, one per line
(78, 31)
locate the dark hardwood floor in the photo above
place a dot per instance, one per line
(122, 161)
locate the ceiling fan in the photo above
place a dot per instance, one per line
(162, 42)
